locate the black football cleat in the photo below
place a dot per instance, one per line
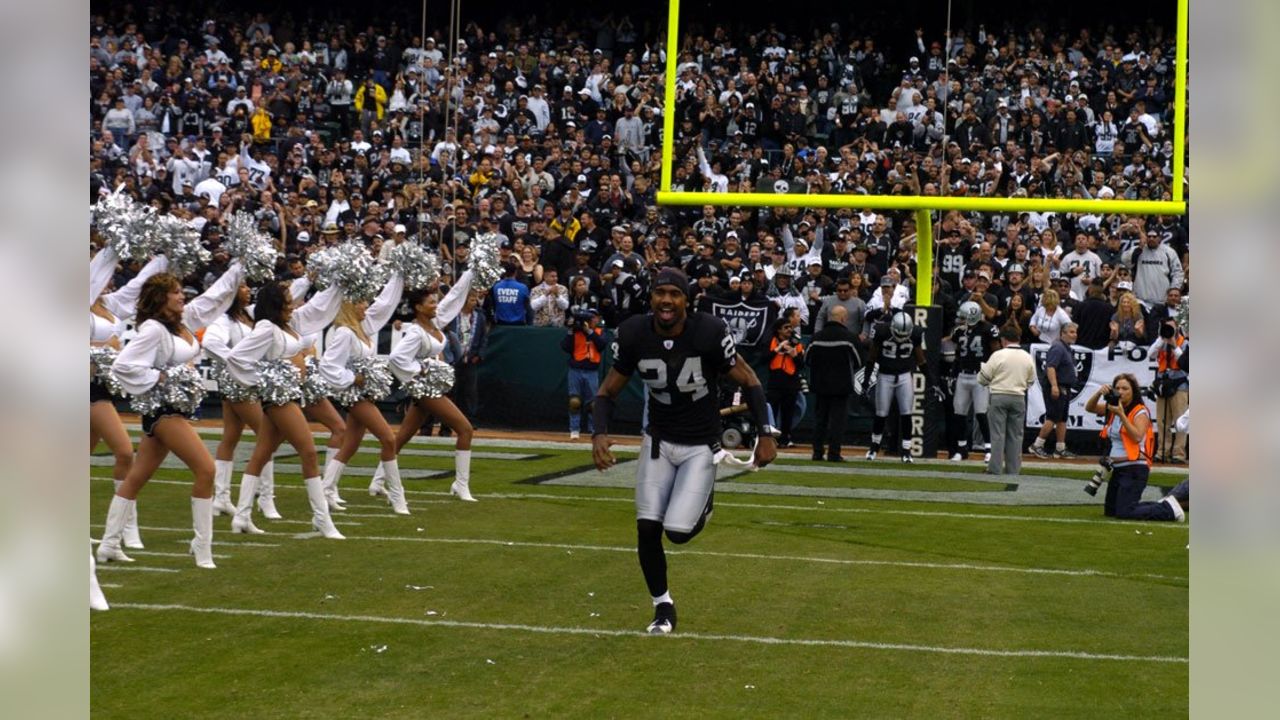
(664, 619)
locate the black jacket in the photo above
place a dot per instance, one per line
(833, 358)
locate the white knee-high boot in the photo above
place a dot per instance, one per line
(242, 522)
(97, 601)
(462, 476)
(267, 492)
(332, 475)
(117, 517)
(222, 472)
(202, 523)
(395, 490)
(320, 519)
(378, 485)
(132, 539)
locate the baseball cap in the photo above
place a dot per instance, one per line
(670, 276)
(1016, 268)
(1124, 285)
(304, 237)
(330, 227)
(984, 274)
(400, 228)
(886, 281)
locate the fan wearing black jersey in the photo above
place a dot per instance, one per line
(898, 347)
(975, 340)
(680, 356)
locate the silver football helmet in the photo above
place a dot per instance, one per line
(970, 313)
(900, 326)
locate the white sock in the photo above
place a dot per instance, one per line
(875, 439)
(663, 598)
(1039, 442)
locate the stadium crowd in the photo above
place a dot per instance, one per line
(551, 136)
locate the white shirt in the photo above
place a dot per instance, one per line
(1050, 326)
(211, 188)
(342, 345)
(267, 341)
(719, 181)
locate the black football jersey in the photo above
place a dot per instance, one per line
(896, 356)
(973, 345)
(682, 374)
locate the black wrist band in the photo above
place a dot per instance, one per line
(601, 410)
(757, 405)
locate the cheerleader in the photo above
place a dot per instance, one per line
(423, 339)
(316, 407)
(108, 313)
(239, 405)
(354, 335)
(278, 334)
(166, 338)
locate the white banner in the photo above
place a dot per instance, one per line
(1094, 368)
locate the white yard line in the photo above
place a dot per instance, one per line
(767, 506)
(961, 567)
(110, 586)
(134, 568)
(155, 553)
(704, 637)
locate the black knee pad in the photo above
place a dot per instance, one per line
(680, 538)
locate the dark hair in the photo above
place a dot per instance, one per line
(415, 297)
(1011, 333)
(237, 310)
(1134, 385)
(153, 298)
(271, 303)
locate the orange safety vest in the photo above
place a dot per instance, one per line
(1132, 449)
(782, 362)
(1166, 360)
(584, 349)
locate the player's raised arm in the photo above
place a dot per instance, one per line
(767, 446)
(601, 410)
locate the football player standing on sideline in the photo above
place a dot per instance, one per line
(680, 357)
(975, 339)
(898, 347)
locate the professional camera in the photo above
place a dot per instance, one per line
(1101, 475)
(1111, 397)
(580, 319)
(1168, 330)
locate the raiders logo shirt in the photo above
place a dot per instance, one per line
(682, 374)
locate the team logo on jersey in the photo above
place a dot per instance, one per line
(1084, 366)
(781, 187)
(668, 344)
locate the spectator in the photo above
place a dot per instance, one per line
(1049, 319)
(585, 345)
(1008, 373)
(1094, 318)
(1156, 268)
(833, 360)
(510, 299)
(471, 329)
(549, 300)
(844, 297)
(1127, 326)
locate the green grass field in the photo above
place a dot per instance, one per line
(995, 600)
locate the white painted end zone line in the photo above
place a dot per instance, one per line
(963, 567)
(551, 630)
(765, 506)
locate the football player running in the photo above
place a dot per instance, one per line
(680, 356)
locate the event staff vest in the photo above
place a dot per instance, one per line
(1133, 450)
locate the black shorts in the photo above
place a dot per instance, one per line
(1056, 410)
(99, 392)
(149, 421)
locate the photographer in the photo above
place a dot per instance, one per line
(1171, 353)
(1129, 431)
(786, 359)
(585, 344)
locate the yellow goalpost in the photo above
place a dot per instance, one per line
(922, 205)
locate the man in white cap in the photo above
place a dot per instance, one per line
(397, 238)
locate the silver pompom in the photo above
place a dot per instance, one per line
(351, 267)
(419, 267)
(1183, 316)
(127, 227)
(102, 358)
(435, 380)
(229, 388)
(486, 268)
(376, 386)
(182, 389)
(255, 251)
(180, 243)
(314, 388)
(279, 382)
